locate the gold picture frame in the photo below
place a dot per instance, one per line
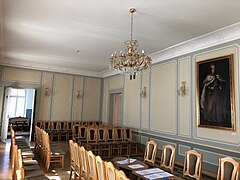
(215, 99)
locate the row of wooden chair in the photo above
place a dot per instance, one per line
(47, 152)
(85, 165)
(114, 140)
(25, 169)
(23, 165)
(22, 144)
(228, 167)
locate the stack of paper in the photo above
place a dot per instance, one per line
(149, 171)
(125, 161)
(158, 175)
(136, 166)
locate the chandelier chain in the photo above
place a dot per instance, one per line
(132, 26)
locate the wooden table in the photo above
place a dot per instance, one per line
(126, 168)
(173, 177)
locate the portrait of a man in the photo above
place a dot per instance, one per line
(215, 93)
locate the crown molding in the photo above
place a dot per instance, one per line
(51, 68)
(211, 39)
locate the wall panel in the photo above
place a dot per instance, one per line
(116, 82)
(184, 101)
(91, 100)
(45, 101)
(77, 100)
(131, 113)
(62, 97)
(145, 101)
(21, 75)
(163, 98)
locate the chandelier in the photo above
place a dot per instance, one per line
(130, 61)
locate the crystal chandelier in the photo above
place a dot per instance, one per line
(130, 61)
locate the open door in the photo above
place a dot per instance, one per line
(5, 117)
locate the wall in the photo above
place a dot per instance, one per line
(168, 118)
(62, 103)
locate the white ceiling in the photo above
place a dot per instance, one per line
(51, 32)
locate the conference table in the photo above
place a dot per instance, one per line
(136, 169)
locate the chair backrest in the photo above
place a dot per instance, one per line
(55, 126)
(168, 157)
(120, 175)
(82, 132)
(46, 125)
(72, 153)
(228, 169)
(69, 126)
(119, 132)
(83, 163)
(100, 168)
(110, 134)
(101, 134)
(128, 134)
(77, 158)
(75, 130)
(192, 164)
(150, 152)
(92, 134)
(110, 171)
(62, 125)
(92, 166)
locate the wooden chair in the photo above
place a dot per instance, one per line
(72, 159)
(101, 168)
(120, 175)
(150, 152)
(92, 166)
(62, 130)
(118, 137)
(228, 169)
(52, 155)
(92, 140)
(69, 126)
(192, 164)
(132, 146)
(54, 131)
(102, 140)
(83, 162)
(168, 157)
(110, 171)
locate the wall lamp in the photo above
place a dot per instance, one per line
(79, 94)
(47, 92)
(182, 90)
(144, 92)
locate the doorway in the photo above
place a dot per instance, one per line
(18, 111)
(115, 109)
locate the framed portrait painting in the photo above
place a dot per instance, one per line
(215, 93)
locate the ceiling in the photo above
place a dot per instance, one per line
(82, 34)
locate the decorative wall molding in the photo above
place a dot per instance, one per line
(214, 38)
(51, 68)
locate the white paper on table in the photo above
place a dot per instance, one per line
(149, 171)
(125, 161)
(136, 166)
(158, 175)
